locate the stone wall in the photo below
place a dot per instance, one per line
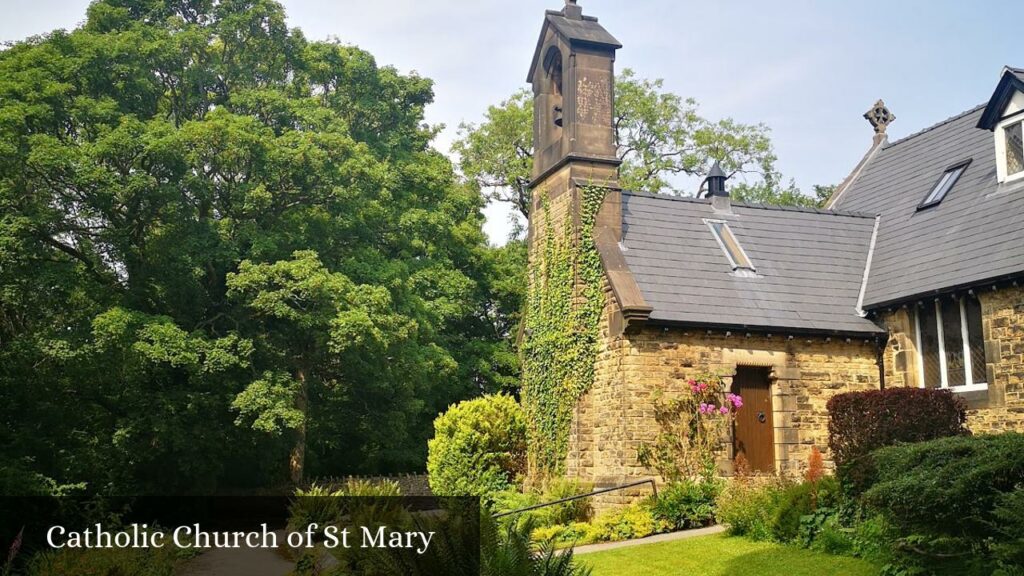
(617, 414)
(1001, 407)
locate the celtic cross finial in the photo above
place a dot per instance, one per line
(879, 117)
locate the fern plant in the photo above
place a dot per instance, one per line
(504, 551)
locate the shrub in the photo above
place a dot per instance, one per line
(515, 552)
(690, 426)
(686, 504)
(108, 561)
(479, 447)
(326, 505)
(872, 537)
(1008, 548)
(574, 511)
(822, 530)
(566, 534)
(948, 498)
(746, 507)
(633, 521)
(801, 500)
(860, 422)
(565, 513)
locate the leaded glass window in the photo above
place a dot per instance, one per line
(950, 344)
(1014, 149)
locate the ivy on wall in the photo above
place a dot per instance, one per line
(560, 345)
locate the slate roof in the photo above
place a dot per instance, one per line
(809, 263)
(975, 234)
(582, 30)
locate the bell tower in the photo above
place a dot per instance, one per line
(573, 78)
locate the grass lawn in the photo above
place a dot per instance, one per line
(721, 555)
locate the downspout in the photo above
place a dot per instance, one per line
(880, 360)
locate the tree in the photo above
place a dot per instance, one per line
(787, 196)
(660, 136)
(207, 219)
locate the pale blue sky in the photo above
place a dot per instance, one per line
(806, 69)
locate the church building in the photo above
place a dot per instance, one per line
(910, 276)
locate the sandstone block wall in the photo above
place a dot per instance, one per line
(1001, 407)
(617, 414)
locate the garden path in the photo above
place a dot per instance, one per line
(681, 535)
(239, 562)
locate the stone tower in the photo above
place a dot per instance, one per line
(573, 78)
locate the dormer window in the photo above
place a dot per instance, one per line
(1004, 116)
(944, 185)
(733, 251)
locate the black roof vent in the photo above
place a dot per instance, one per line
(716, 181)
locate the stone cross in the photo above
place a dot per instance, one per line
(879, 117)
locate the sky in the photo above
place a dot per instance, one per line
(806, 69)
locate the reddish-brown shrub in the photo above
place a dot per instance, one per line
(860, 422)
(815, 466)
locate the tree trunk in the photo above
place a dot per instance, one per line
(297, 459)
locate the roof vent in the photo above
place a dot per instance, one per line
(716, 189)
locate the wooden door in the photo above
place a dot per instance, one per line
(754, 434)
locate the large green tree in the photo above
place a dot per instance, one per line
(660, 136)
(224, 248)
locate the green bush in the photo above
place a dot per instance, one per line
(479, 447)
(633, 521)
(1008, 548)
(567, 534)
(948, 499)
(872, 538)
(823, 531)
(747, 507)
(686, 504)
(565, 513)
(327, 505)
(575, 511)
(801, 500)
(628, 523)
(108, 561)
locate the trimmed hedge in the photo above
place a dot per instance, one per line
(950, 500)
(478, 448)
(860, 422)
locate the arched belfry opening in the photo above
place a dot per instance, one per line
(573, 80)
(553, 70)
(553, 83)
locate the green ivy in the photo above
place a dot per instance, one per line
(563, 311)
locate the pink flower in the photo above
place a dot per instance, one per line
(724, 409)
(735, 399)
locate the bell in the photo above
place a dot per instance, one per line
(558, 116)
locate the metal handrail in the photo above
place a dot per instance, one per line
(654, 488)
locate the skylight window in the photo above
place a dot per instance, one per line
(733, 251)
(944, 185)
